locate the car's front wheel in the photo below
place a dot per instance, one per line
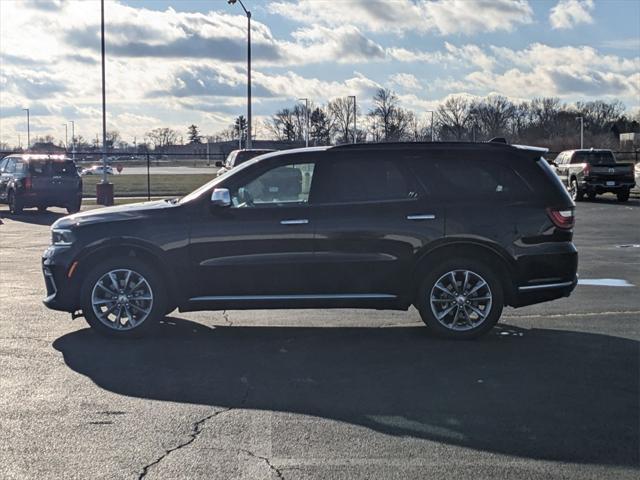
(460, 299)
(123, 297)
(74, 207)
(574, 190)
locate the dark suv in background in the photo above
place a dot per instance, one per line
(458, 230)
(41, 181)
(593, 172)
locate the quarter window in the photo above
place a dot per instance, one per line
(281, 186)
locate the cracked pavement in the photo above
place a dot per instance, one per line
(329, 394)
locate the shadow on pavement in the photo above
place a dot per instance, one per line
(32, 216)
(543, 394)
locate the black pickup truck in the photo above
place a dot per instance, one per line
(593, 172)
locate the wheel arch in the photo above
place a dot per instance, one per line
(150, 254)
(487, 252)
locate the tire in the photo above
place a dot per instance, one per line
(42, 209)
(149, 309)
(576, 194)
(74, 207)
(467, 323)
(623, 195)
(15, 203)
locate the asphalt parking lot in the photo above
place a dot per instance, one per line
(553, 392)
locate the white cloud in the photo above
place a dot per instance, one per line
(443, 16)
(405, 81)
(569, 13)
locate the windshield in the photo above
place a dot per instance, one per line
(595, 158)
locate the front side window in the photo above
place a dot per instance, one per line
(11, 166)
(3, 164)
(364, 180)
(286, 185)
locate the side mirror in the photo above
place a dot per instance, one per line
(220, 197)
(218, 163)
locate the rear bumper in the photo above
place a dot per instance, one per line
(602, 187)
(545, 272)
(35, 199)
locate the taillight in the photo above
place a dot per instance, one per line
(586, 171)
(562, 218)
(27, 183)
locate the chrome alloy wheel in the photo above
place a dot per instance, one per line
(461, 300)
(122, 299)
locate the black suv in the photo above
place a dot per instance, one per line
(458, 230)
(593, 172)
(42, 181)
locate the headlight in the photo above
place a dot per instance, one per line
(61, 237)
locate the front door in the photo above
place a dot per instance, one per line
(262, 245)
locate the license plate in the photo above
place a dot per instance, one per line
(610, 184)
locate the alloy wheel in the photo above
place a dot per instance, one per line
(122, 299)
(461, 300)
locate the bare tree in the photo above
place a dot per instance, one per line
(453, 117)
(340, 111)
(161, 137)
(492, 115)
(320, 127)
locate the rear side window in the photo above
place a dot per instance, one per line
(363, 180)
(471, 179)
(52, 168)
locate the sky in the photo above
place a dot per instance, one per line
(172, 63)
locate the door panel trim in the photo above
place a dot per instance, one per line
(338, 296)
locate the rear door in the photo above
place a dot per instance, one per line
(372, 217)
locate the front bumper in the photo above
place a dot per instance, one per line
(62, 292)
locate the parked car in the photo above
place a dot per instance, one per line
(637, 175)
(97, 170)
(40, 181)
(237, 157)
(457, 229)
(593, 172)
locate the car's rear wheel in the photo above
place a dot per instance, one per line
(576, 193)
(623, 195)
(15, 203)
(460, 299)
(123, 297)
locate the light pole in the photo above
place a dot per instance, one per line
(355, 118)
(66, 137)
(28, 130)
(306, 120)
(248, 13)
(581, 131)
(73, 140)
(104, 189)
(431, 112)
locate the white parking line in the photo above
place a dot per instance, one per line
(605, 282)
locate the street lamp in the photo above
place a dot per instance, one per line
(306, 115)
(104, 189)
(431, 112)
(28, 130)
(581, 131)
(73, 139)
(355, 117)
(66, 136)
(248, 13)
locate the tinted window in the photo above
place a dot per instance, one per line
(3, 163)
(283, 185)
(471, 179)
(364, 180)
(594, 158)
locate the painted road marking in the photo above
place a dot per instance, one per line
(605, 282)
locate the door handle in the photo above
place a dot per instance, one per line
(421, 217)
(301, 221)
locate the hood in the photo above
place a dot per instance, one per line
(131, 211)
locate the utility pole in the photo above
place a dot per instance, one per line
(66, 136)
(73, 140)
(431, 112)
(104, 189)
(581, 131)
(28, 130)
